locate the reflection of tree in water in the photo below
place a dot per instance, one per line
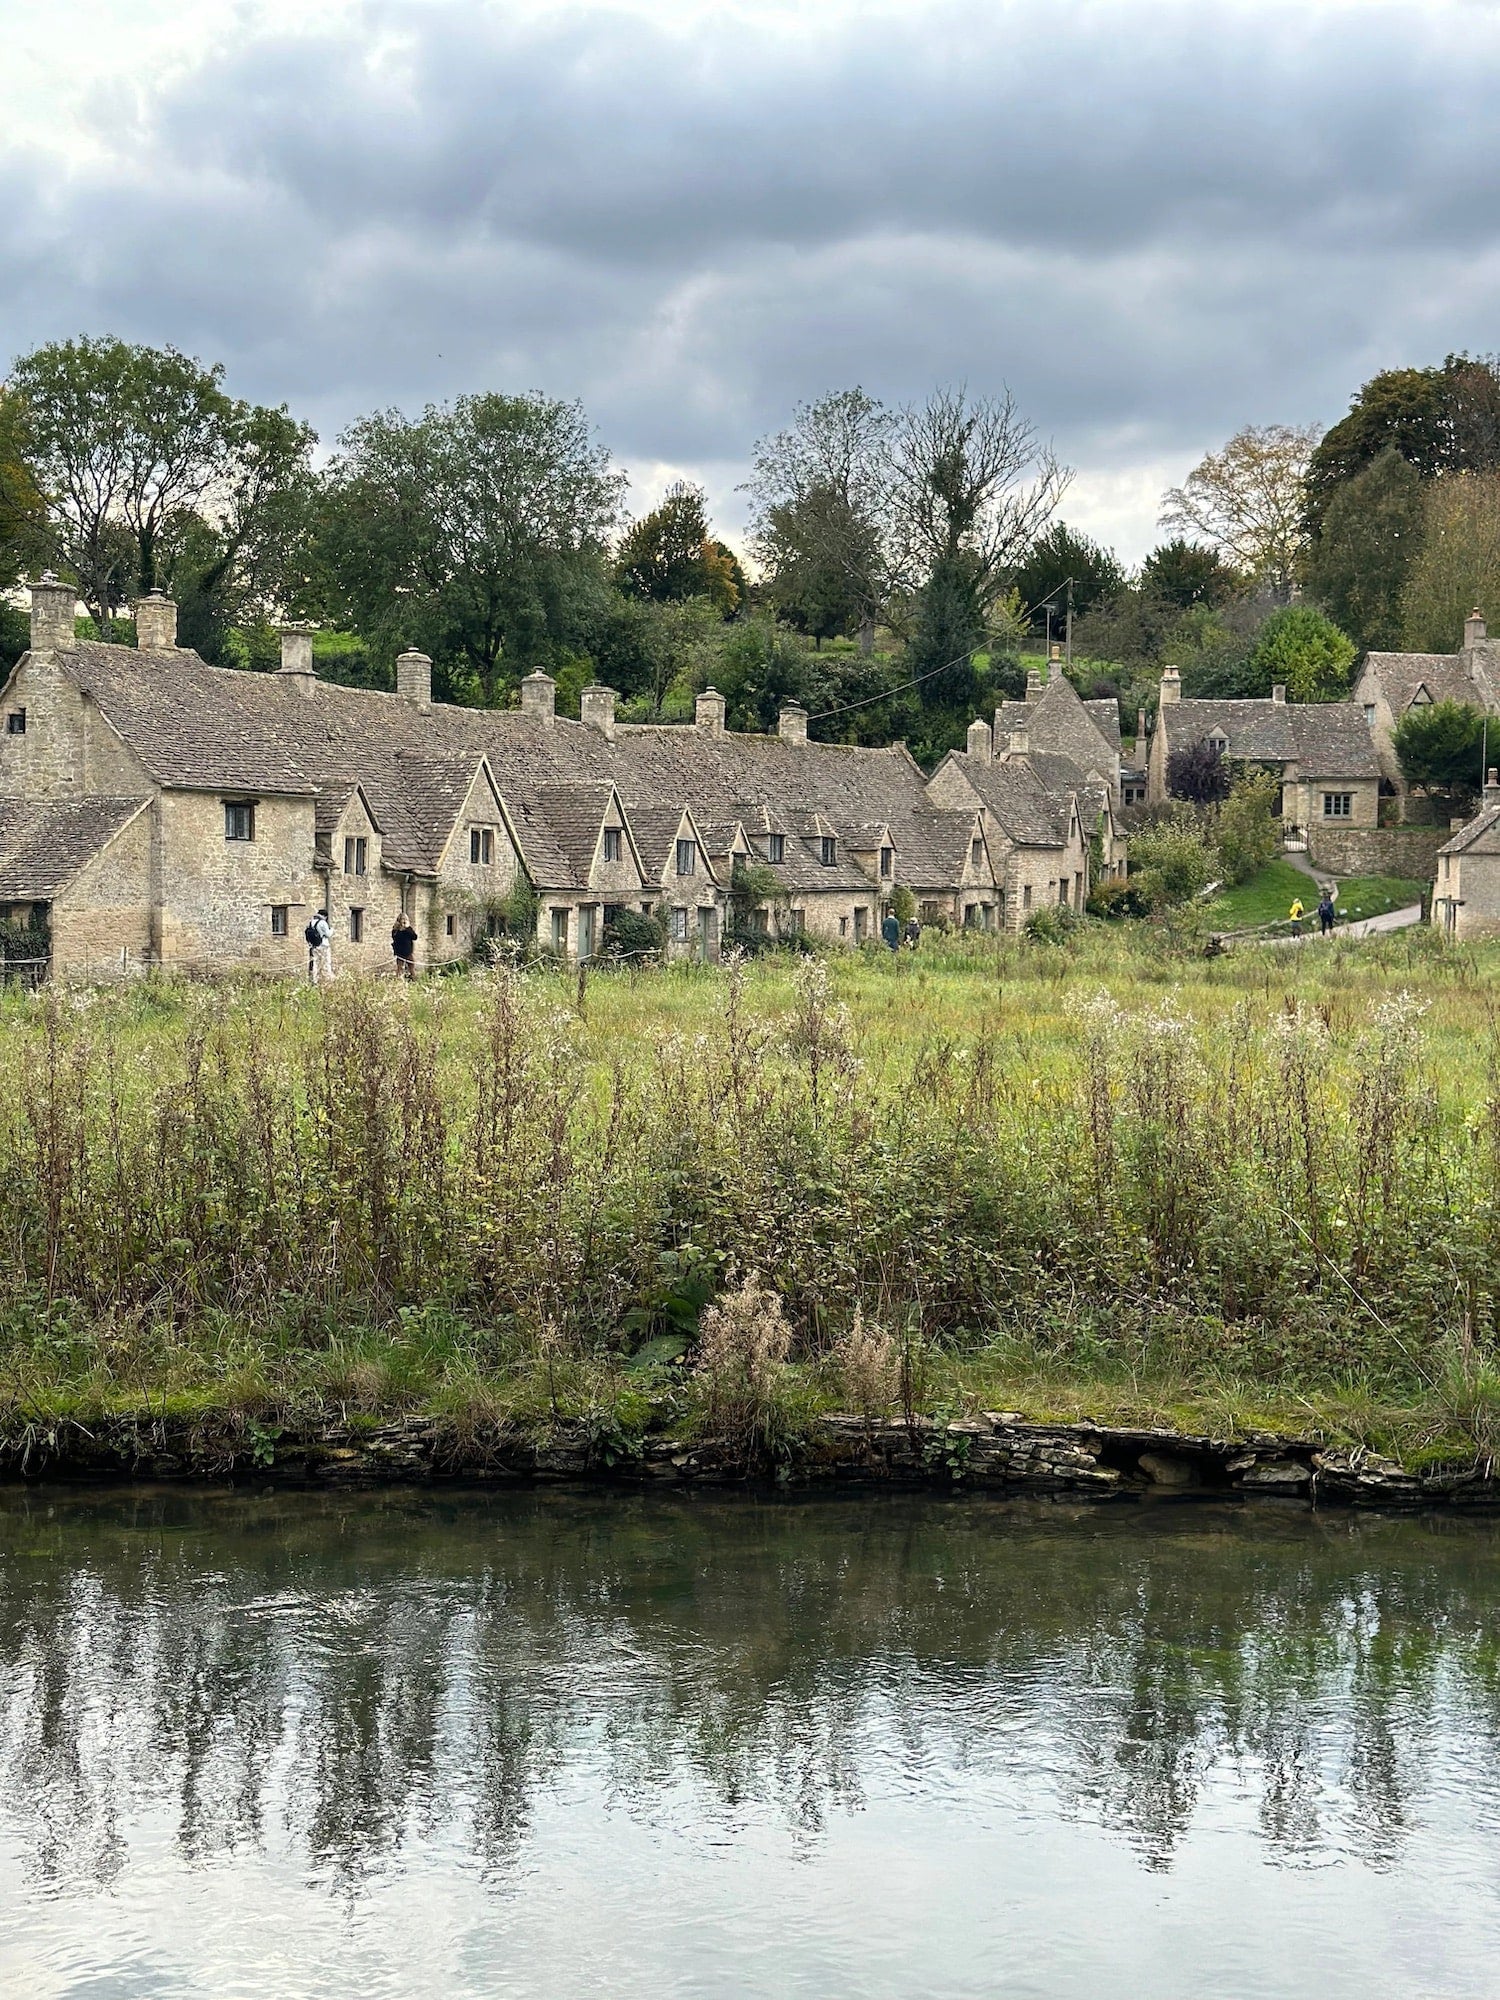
(352, 1674)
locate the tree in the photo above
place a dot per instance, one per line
(1457, 563)
(1439, 420)
(23, 511)
(669, 555)
(1186, 573)
(1371, 533)
(821, 527)
(1247, 828)
(950, 630)
(1199, 773)
(1170, 861)
(1440, 748)
(971, 490)
(1059, 555)
(764, 666)
(1247, 501)
(1305, 652)
(478, 530)
(140, 455)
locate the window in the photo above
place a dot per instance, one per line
(1026, 897)
(1062, 892)
(614, 845)
(278, 919)
(15, 722)
(356, 854)
(239, 820)
(1369, 715)
(797, 921)
(843, 926)
(449, 926)
(971, 916)
(481, 846)
(679, 926)
(976, 853)
(559, 930)
(687, 852)
(1338, 805)
(828, 849)
(776, 847)
(356, 926)
(887, 862)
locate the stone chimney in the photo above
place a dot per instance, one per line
(1171, 686)
(156, 624)
(1035, 685)
(1476, 632)
(414, 679)
(597, 707)
(710, 711)
(981, 741)
(539, 698)
(296, 655)
(53, 606)
(1491, 789)
(791, 724)
(1140, 729)
(1278, 694)
(1018, 742)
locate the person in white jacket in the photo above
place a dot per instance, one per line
(319, 935)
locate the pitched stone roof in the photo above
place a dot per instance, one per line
(1486, 821)
(43, 844)
(1028, 813)
(1323, 739)
(1058, 721)
(932, 846)
(1460, 677)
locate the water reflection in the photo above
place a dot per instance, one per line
(353, 1676)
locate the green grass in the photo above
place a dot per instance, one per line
(1267, 898)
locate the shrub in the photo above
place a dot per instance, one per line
(1306, 652)
(1170, 862)
(632, 934)
(1246, 831)
(743, 1343)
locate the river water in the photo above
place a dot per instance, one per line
(403, 1744)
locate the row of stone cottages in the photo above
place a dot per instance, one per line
(158, 811)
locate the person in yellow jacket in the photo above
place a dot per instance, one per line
(1296, 916)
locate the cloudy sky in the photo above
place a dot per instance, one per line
(1155, 220)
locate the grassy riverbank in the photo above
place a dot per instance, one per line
(1100, 1180)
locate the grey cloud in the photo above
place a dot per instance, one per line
(1155, 223)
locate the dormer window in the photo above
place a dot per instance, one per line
(239, 819)
(776, 847)
(481, 846)
(828, 850)
(614, 843)
(15, 722)
(887, 862)
(356, 854)
(687, 855)
(976, 853)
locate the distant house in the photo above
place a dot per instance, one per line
(1466, 895)
(1322, 752)
(1391, 685)
(156, 811)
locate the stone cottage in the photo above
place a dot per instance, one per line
(1391, 685)
(158, 811)
(1466, 895)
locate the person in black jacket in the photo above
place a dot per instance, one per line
(404, 945)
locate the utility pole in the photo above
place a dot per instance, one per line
(1070, 624)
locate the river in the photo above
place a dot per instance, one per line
(407, 1743)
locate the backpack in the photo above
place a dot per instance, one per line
(314, 932)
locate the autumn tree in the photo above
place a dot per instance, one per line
(1247, 502)
(1456, 565)
(669, 554)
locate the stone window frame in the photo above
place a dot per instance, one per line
(679, 923)
(15, 722)
(356, 854)
(828, 849)
(239, 819)
(887, 863)
(481, 846)
(687, 857)
(281, 915)
(776, 847)
(356, 923)
(1338, 805)
(614, 843)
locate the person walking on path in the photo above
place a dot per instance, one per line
(319, 935)
(404, 945)
(1296, 915)
(1326, 912)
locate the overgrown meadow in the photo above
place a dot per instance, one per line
(1102, 1178)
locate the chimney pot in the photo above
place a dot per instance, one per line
(1278, 693)
(1475, 630)
(1492, 789)
(414, 679)
(156, 624)
(53, 608)
(1140, 729)
(791, 724)
(710, 710)
(1019, 742)
(1171, 685)
(981, 742)
(539, 697)
(597, 707)
(296, 654)
(1034, 684)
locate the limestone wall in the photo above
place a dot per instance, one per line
(217, 895)
(1409, 851)
(101, 923)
